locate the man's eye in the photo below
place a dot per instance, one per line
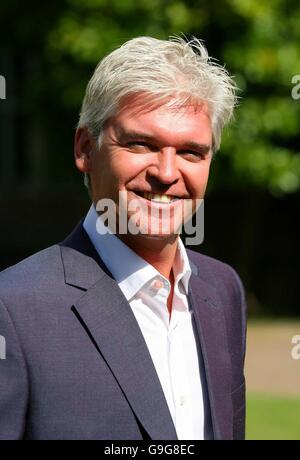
(192, 153)
(140, 145)
(137, 144)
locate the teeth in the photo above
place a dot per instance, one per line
(158, 198)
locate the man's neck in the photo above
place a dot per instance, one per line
(158, 253)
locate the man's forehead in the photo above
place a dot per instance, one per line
(137, 104)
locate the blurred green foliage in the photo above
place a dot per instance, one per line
(60, 42)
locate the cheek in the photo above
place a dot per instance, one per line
(127, 166)
(197, 178)
(108, 168)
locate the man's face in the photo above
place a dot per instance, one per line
(146, 153)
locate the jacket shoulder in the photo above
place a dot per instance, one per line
(212, 270)
(36, 271)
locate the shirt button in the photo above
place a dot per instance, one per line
(181, 401)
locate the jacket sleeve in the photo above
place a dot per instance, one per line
(13, 380)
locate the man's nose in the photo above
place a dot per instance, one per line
(165, 169)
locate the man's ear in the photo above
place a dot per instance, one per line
(83, 149)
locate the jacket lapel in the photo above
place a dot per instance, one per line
(211, 327)
(110, 323)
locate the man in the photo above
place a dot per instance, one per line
(126, 334)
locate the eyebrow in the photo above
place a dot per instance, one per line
(134, 135)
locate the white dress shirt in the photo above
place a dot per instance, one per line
(171, 344)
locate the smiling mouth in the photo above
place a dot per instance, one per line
(157, 198)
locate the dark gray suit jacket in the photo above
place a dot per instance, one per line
(77, 365)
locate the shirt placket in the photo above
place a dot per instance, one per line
(178, 375)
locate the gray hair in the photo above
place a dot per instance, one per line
(176, 69)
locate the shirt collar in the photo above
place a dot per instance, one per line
(181, 268)
(130, 271)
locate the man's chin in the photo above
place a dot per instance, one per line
(158, 236)
(155, 236)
